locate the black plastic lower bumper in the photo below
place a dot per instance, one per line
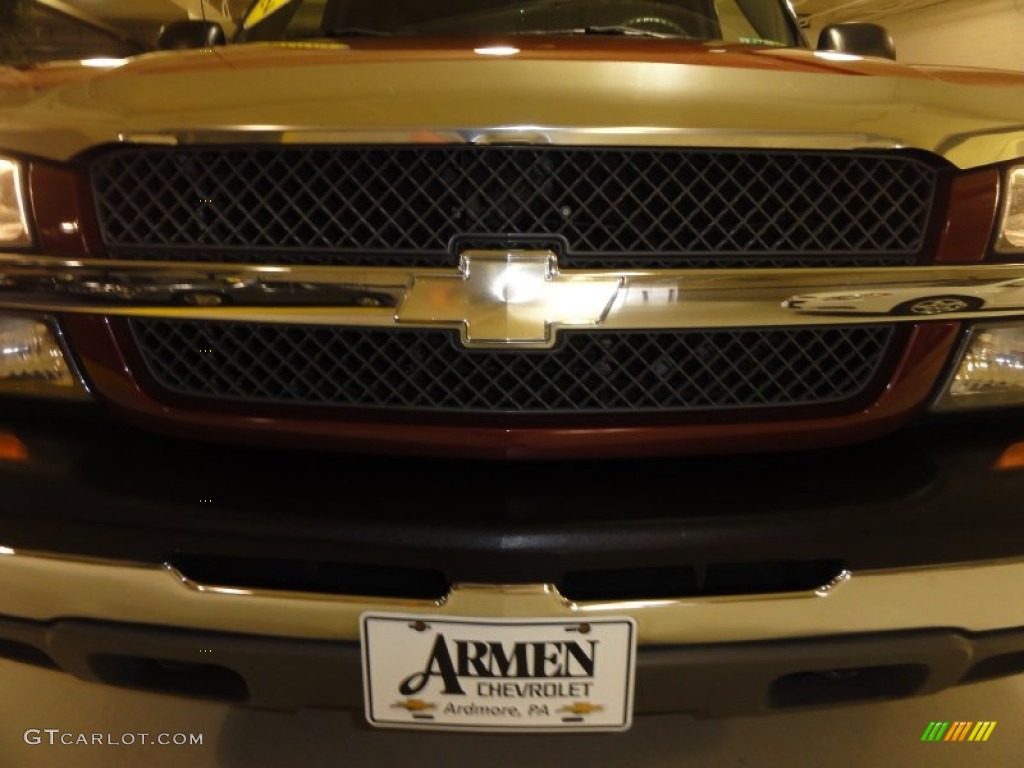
(923, 497)
(703, 680)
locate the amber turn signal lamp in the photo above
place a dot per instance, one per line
(1012, 458)
(12, 449)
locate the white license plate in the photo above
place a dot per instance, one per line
(495, 675)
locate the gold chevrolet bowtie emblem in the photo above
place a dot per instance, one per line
(414, 705)
(509, 298)
(582, 708)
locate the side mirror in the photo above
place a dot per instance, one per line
(858, 39)
(179, 35)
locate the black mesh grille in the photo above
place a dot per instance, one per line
(588, 372)
(604, 206)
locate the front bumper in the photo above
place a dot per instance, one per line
(929, 591)
(874, 636)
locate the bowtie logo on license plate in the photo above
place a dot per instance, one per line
(515, 298)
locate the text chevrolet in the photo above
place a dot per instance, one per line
(513, 365)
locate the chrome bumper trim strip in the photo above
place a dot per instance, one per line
(525, 288)
(968, 596)
(635, 136)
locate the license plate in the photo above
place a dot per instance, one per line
(495, 675)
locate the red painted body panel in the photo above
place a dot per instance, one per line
(111, 368)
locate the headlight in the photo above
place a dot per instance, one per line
(14, 229)
(32, 360)
(990, 371)
(1011, 227)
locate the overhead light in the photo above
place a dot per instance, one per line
(497, 50)
(103, 63)
(837, 56)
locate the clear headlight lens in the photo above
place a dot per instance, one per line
(991, 371)
(1011, 228)
(32, 360)
(14, 229)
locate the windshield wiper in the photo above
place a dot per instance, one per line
(621, 31)
(610, 31)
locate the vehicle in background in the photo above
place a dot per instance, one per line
(936, 299)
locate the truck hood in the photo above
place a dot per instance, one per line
(694, 93)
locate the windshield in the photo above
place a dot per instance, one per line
(756, 22)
